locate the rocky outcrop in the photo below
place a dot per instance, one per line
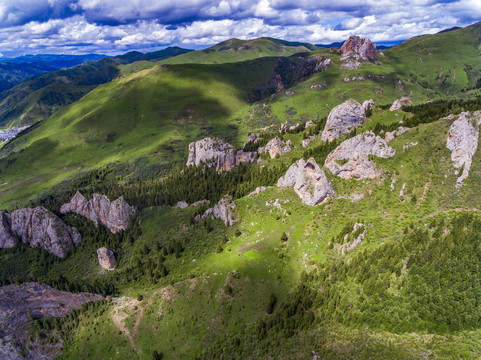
(38, 227)
(115, 215)
(276, 146)
(213, 151)
(225, 210)
(20, 303)
(463, 142)
(258, 190)
(357, 151)
(396, 105)
(343, 119)
(306, 142)
(7, 238)
(106, 258)
(353, 243)
(182, 205)
(368, 104)
(365, 48)
(309, 182)
(201, 202)
(206, 150)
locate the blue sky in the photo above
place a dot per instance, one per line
(116, 26)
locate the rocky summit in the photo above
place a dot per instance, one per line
(357, 151)
(463, 142)
(309, 182)
(225, 210)
(343, 119)
(365, 48)
(115, 215)
(38, 227)
(276, 146)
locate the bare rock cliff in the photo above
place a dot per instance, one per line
(356, 151)
(309, 182)
(115, 215)
(343, 119)
(106, 258)
(365, 48)
(38, 227)
(463, 142)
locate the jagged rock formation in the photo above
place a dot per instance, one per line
(38, 227)
(276, 146)
(201, 202)
(115, 215)
(309, 182)
(225, 210)
(463, 142)
(253, 138)
(343, 119)
(213, 151)
(354, 50)
(365, 48)
(7, 238)
(396, 105)
(17, 302)
(306, 142)
(106, 258)
(368, 104)
(356, 151)
(350, 245)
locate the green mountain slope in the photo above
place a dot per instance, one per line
(235, 50)
(282, 281)
(38, 98)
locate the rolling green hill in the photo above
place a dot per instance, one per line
(235, 50)
(276, 284)
(38, 98)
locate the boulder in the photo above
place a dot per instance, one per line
(343, 119)
(201, 202)
(357, 151)
(463, 142)
(389, 136)
(106, 258)
(258, 190)
(7, 238)
(276, 146)
(38, 227)
(182, 205)
(365, 48)
(115, 215)
(225, 210)
(253, 137)
(206, 150)
(309, 123)
(396, 105)
(309, 182)
(368, 104)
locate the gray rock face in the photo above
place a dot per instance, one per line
(214, 151)
(258, 190)
(206, 150)
(309, 182)
(106, 258)
(38, 227)
(356, 151)
(276, 146)
(365, 48)
(225, 209)
(115, 215)
(182, 205)
(7, 239)
(389, 136)
(343, 119)
(17, 301)
(463, 142)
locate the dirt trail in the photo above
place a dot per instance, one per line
(119, 314)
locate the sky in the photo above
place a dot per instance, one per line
(113, 27)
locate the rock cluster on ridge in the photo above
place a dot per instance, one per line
(225, 210)
(368, 104)
(463, 142)
(213, 151)
(276, 146)
(365, 48)
(356, 151)
(115, 215)
(309, 181)
(38, 227)
(343, 119)
(106, 258)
